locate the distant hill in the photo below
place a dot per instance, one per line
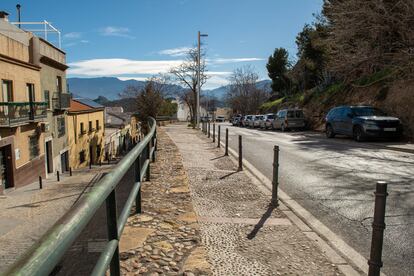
(109, 87)
(221, 91)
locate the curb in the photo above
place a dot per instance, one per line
(305, 220)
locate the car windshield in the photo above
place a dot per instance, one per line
(367, 111)
(271, 116)
(295, 114)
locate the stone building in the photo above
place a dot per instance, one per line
(86, 132)
(22, 108)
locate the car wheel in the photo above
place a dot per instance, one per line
(358, 134)
(329, 132)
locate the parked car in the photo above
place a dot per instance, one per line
(251, 121)
(289, 119)
(236, 120)
(267, 121)
(246, 121)
(220, 119)
(362, 122)
(241, 121)
(257, 121)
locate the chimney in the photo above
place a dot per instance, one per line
(4, 16)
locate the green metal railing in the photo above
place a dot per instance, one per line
(13, 113)
(43, 257)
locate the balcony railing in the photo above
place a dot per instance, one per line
(60, 101)
(15, 113)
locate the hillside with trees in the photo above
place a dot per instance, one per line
(355, 52)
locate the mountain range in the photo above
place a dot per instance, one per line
(111, 87)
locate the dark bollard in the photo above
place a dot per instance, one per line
(378, 226)
(214, 133)
(40, 183)
(208, 130)
(226, 152)
(70, 171)
(109, 160)
(218, 136)
(100, 163)
(240, 154)
(90, 165)
(57, 176)
(275, 182)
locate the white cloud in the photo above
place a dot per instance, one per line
(72, 35)
(175, 52)
(84, 41)
(232, 60)
(116, 31)
(133, 78)
(215, 81)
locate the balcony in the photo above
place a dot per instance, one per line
(18, 113)
(60, 101)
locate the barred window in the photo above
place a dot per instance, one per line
(34, 146)
(61, 126)
(47, 98)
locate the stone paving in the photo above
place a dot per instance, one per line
(242, 233)
(165, 239)
(28, 212)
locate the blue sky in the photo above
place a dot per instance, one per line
(138, 38)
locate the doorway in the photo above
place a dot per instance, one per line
(49, 157)
(6, 167)
(90, 155)
(64, 161)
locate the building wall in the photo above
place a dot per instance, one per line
(81, 142)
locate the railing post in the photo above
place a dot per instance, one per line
(70, 171)
(275, 182)
(40, 182)
(226, 151)
(111, 220)
(57, 176)
(218, 136)
(378, 226)
(138, 206)
(153, 145)
(240, 154)
(214, 132)
(208, 129)
(148, 174)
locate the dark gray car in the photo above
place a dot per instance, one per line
(289, 119)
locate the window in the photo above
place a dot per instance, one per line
(61, 126)
(90, 126)
(47, 97)
(82, 156)
(97, 125)
(30, 92)
(82, 129)
(59, 84)
(33, 146)
(7, 91)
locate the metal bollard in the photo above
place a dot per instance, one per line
(218, 136)
(226, 152)
(90, 165)
(57, 176)
(70, 171)
(378, 226)
(208, 130)
(40, 183)
(275, 182)
(100, 163)
(240, 154)
(214, 132)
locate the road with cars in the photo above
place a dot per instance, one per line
(335, 180)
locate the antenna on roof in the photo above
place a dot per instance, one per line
(18, 14)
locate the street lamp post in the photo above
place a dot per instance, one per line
(199, 77)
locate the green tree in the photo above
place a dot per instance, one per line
(277, 68)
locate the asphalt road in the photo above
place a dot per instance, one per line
(335, 180)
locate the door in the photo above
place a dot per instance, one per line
(49, 157)
(6, 167)
(64, 161)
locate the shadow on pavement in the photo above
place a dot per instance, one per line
(261, 222)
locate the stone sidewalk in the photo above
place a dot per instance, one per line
(242, 233)
(28, 212)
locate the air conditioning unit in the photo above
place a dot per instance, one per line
(45, 127)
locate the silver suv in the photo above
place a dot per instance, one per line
(289, 119)
(267, 121)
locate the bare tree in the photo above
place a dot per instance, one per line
(243, 95)
(186, 75)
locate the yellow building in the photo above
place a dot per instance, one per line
(86, 131)
(22, 109)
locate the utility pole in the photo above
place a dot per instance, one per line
(198, 77)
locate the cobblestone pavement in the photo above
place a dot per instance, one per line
(243, 234)
(165, 238)
(28, 212)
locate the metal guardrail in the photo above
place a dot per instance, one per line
(45, 255)
(14, 113)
